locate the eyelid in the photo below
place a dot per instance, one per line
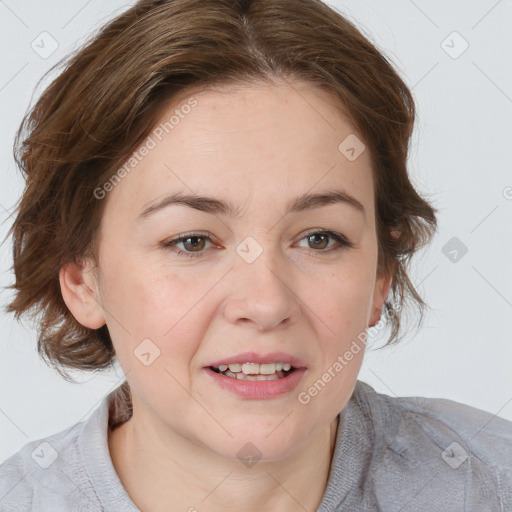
(341, 240)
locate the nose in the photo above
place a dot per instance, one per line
(262, 293)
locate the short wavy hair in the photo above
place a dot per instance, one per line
(109, 96)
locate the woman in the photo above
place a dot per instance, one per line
(217, 197)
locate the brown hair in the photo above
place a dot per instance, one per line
(99, 109)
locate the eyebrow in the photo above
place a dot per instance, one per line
(217, 206)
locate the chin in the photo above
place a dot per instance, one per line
(259, 447)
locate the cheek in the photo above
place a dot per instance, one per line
(345, 300)
(164, 308)
(343, 308)
(143, 302)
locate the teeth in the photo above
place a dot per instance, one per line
(266, 368)
(242, 376)
(255, 368)
(251, 368)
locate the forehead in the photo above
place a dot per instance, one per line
(264, 142)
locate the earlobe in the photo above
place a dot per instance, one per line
(79, 290)
(381, 290)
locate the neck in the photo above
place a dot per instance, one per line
(157, 470)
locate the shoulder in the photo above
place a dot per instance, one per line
(44, 474)
(472, 433)
(433, 422)
(435, 449)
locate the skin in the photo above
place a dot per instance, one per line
(259, 147)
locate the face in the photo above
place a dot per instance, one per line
(263, 279)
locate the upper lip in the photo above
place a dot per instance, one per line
(254, 357)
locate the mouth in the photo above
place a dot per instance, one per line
(254, 371)
(252, 376)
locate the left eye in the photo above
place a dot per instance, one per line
(197, 241)
(319, 237)
(184, 239)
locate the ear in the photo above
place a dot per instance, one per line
(380, 292)
(79, 290)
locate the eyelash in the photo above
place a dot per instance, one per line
(340, 239)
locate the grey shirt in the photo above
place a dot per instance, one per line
(391, 454)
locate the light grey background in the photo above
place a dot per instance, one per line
(460, 158)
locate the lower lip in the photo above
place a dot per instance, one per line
(258, 389)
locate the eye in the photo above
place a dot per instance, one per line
(318, 240)
(193, 241)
